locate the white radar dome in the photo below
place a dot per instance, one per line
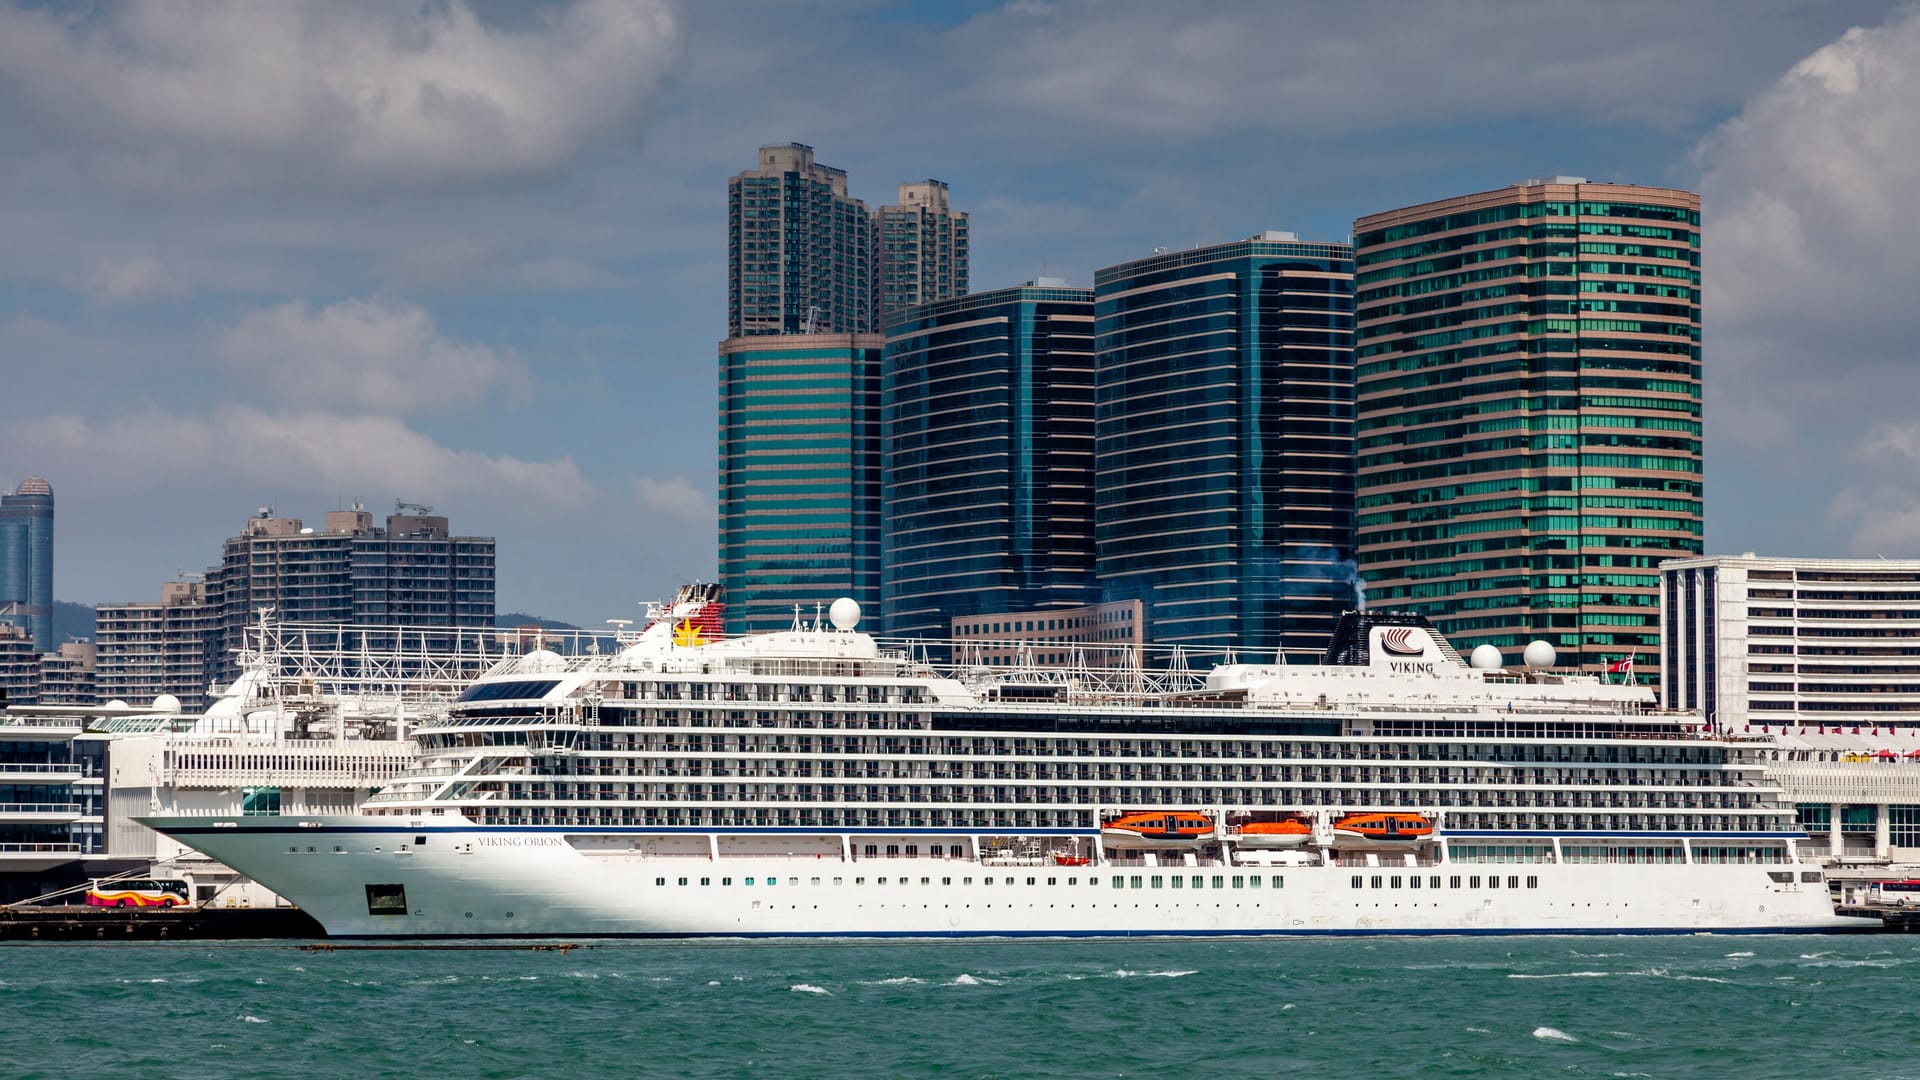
(1540, 654)
(541, 660)
(116, 705)
(845, 613)
(1486, 658)
(166, 703)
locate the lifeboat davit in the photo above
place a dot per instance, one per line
(1382, 830)
(1158, 829)
(1286, 833)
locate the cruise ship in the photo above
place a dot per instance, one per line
(819, 782)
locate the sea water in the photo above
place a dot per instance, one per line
(1734, 1006)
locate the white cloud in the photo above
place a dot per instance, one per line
(377, 355)
(674, 497)
(367, 92)
(239, 447)
(1810, 184)
(1809, 270)
(1180, 71)
(136, 279)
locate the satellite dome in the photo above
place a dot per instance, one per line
(116, 705)
(542, 660)
(845, 613)
(1486, 658)
(166, 703)
(1540, 654)
(34, 485)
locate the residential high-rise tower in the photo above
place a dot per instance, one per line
(1528, 368)
(922, 250)
(799, 249)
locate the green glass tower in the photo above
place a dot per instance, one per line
(799, 476)
(1528, 413)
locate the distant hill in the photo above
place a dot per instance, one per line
(511, 619)
(71, 621)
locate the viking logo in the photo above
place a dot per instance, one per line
(1400, 641)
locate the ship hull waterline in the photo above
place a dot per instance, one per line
(475, 881)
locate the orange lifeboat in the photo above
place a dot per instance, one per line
(1382, 829)
(1158, 829)
(1285, 833)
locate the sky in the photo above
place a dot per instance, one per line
(472, 254)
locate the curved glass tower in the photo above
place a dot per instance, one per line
(1528, 367)
(987, 439)
(26, 560)
(1223, 434)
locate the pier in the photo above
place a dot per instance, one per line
(78, 923)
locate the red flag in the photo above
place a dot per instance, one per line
(1619, 667)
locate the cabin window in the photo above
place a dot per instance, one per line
(813, 881)
(946, 881)
(747, 881)
(1493, 881)
(1356, 881)
(1178, 881)
(1158, 880)
(706, 881)
(663, 881)
(1413, 882)
(1240, 881)
(1453, 882)
(1219, 882)
(1513, 881)
(1119, 882)
(879, 881)
(838, 881)
(1053, 881)
(1473, 882)
(683, 881)
(1253, 882)
(1135, 883)
(1375, 883)
(1394, 882)
(1533, 882)
(859, 881)
(1278, 881)
(726, 881)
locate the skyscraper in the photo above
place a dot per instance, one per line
(1528, 367)
(1223, 434)
(799, 249)
(799, 475)
(26, 560)
(922, 249)
(987, 442)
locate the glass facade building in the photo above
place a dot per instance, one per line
(800, 250)
(799, 476)
(26, 560)
(1223, 442)
(1528, 373)
(987, 449)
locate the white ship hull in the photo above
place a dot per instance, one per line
(474, 882)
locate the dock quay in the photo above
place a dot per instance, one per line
(79, 923)
(1893, 920)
